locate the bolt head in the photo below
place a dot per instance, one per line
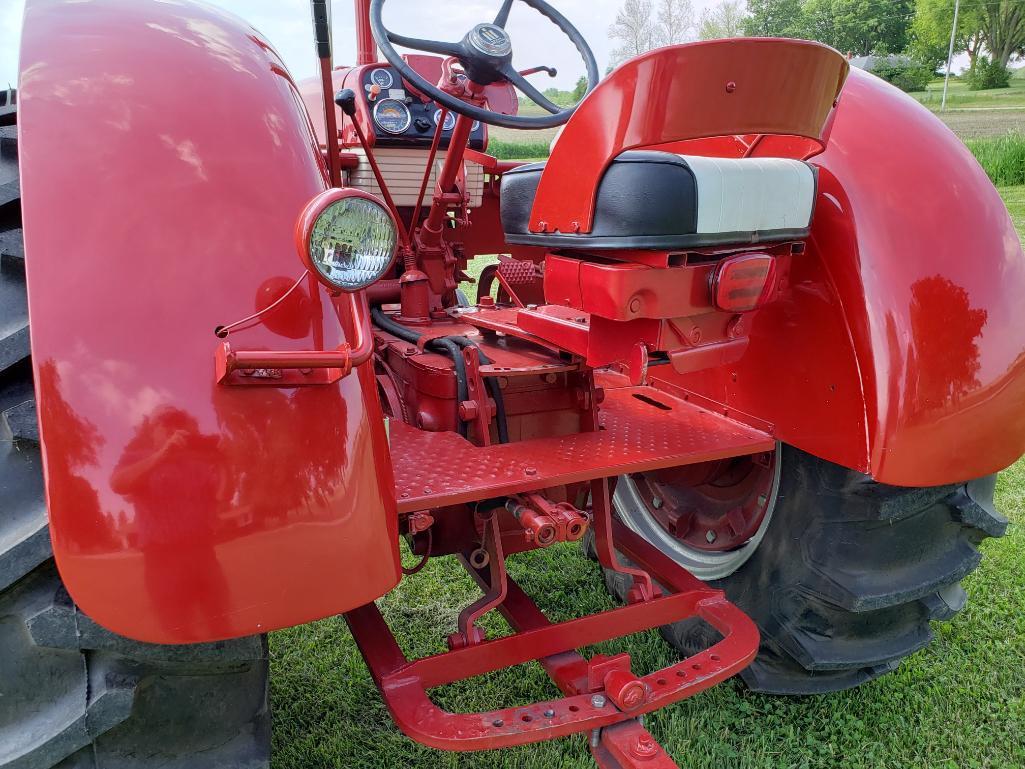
(549, 713)
(645, 747)
(656, 502)
(710, 536)
(598, 700)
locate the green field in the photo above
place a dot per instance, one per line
(958, 703)
(970, 114)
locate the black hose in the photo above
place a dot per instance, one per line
(493, 388)
(385, 323)
(407, 334)
(450, 345)
(462, 390)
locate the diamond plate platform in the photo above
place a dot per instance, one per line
(642, 429)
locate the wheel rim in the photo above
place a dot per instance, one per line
(709, 518)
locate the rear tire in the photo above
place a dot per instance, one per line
(73, 695)
(848, 575)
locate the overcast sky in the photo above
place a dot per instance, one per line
(287, 24)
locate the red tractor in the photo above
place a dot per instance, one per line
(752, 337)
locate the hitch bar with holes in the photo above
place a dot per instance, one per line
(591, 687)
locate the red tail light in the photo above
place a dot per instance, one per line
(743, 283)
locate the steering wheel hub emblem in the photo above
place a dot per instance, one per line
(490, 39)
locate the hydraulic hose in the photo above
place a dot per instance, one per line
(451, 346)
(494, 389)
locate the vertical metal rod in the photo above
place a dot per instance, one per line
(322, 36)
(366, 48)
(334, 159)
(950, 55)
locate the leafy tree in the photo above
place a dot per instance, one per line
(1002, 28)
(774, 18)
(996, 26)
(579, 88)
(859, 27)
(674, 22)
(930, 32)
(632, 27)
(723, 20)
(639, 26)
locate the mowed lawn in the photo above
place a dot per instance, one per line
(977, 114)
(958, 703)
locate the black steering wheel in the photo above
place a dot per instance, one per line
(485, 53)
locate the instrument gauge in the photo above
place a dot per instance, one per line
(382, 78)
(450, 120)
(392, 115)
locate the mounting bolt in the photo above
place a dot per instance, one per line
(598, 700)
(498, 722)
(710, 536)
(656, 502)
(530, 470)
(549, 713)
(731, 87)
(550, 378)
(645, 747)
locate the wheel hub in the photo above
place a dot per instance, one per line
(708, 517)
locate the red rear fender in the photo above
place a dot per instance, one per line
(901, 349)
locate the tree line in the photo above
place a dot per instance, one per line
(991, 32)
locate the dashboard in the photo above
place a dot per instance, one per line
(400, 118)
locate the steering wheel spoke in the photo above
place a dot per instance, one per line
(503, 14)
(513, 76)
(429, 46)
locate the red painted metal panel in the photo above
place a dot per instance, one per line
(901, 348)
(707, 89)
(165, 158)
(642, 430)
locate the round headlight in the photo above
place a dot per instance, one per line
(347, 238)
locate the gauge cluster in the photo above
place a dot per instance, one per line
(401, 119)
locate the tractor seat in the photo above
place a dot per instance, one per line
(658, 200)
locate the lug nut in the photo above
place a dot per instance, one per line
(710, 536)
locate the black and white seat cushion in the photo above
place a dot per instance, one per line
(660, 200)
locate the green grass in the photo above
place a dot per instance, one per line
(1003, 158)
(958, 703)
(518, 150)
(960, 97)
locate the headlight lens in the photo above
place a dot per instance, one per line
(352, 242)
